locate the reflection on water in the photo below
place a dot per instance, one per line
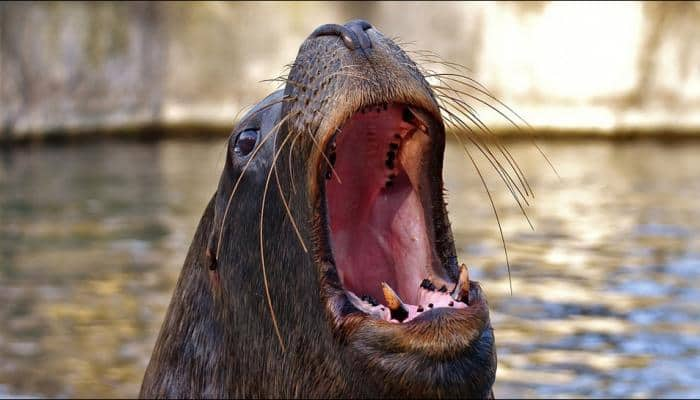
(605, 289)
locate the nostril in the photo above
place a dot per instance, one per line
(337, 30)
(353, 33)
(358, 27)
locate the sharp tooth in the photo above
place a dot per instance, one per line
(461, 291)
(392, 299)
(398, 310)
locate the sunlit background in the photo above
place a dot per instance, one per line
(94, 223)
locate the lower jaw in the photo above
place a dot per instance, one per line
(458, 329)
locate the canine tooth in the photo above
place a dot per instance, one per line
(462, 288)
(398, 310)
(392, 299)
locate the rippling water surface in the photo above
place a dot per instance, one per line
(605, 299)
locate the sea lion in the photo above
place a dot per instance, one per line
(324, 264)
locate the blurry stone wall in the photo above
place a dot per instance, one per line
(89, 67)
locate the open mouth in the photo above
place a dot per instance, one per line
(380, 206)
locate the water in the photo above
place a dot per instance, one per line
(605, 289)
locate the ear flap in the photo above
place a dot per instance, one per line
(210, 253)
(212, 244)
(212, 249)
(220, 205)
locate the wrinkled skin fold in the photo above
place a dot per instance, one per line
(342, 191)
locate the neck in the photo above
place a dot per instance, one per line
(221, 341)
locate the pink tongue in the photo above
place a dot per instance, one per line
(378, 231)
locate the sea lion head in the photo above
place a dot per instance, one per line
(330, 256)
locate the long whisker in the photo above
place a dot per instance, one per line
(267, 106)
(460, 92)
(283, 80)
(510, 183)
(452, 65)
(455, 103)
(504, 115)
(262, 248)
(350, 75)
(286, 206)
(506, 153)
(289, 158)
(240, 178)
(484, 149)
(323, 154)
(493, 206)
(515, 197)
(481, 89)
(474, 84)
(460, 104)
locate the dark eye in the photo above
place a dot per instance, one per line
(245, 142)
